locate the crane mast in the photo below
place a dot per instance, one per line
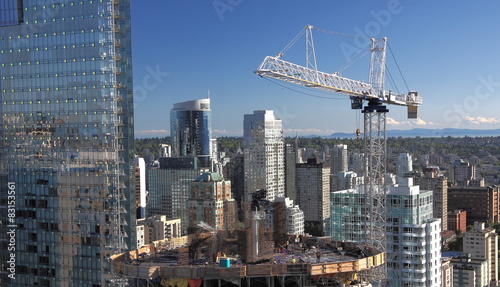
(374, 97)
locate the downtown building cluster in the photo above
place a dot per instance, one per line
(81, 196)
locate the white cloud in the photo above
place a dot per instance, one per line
(481, 120)
(409, 123)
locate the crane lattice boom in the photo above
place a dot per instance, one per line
(273, 67)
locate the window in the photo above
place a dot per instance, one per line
(11, 12)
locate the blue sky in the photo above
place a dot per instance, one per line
(447, 51)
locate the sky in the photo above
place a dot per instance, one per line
(448, 51)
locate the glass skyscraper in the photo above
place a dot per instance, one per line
(191, 130)
(66, 135)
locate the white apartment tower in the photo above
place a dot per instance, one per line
(264, 154)
(413, 237)
(482, 243)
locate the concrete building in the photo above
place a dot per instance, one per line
(482, 243)
(468, 272)
(211, 201)
(433, 180)
(481, 203)
(264, 150)
(294, 215)
(338, 162)
(191, 130)
(338, 158)
(457, 220)
(159, 227)
(463, 172)
(404, 165)
(348, 180)
(313, 190)
(66, 136)
(446, 272)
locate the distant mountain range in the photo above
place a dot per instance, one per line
(426, 133)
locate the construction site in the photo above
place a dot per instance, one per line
(301, 261)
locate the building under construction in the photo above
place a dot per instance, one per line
(231, 258)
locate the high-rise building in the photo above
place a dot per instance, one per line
(66, 135)
(404, 165)
(264, 154)
(313, 190)
(338, 158)
(191, 130)
(463, 172)
(169, 188)
(413, 244)
(432, 180)
(482, 243)
(338, 163)
(481, 203)
(211, 202)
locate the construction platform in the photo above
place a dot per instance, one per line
(291, 266)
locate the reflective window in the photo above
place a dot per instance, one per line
(11, 12)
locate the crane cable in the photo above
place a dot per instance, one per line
(397, 65)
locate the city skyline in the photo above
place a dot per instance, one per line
(445, 52)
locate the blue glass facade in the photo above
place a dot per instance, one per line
(191, 130)
(65, 136)
(11, 12)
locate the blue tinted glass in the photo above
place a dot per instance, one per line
(11, 12)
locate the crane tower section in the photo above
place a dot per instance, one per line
(373, 96)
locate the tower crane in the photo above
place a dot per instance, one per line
(371, 98)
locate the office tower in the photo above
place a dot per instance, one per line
(432, 180)
(482, 243)
(169, 187)
(404, 165)
(313, 191)
(338, 158)
(140, 187)
(338, 162)
(357, 163)
(481, 203)
(413, 244)
(463, 172)
(210, 201)
(264, 150)
(234, 172)
(191, 130)
(66, 137)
